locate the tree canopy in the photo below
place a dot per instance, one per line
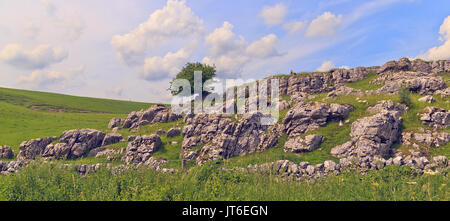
(208, 72)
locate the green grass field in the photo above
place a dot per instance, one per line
(27, 115)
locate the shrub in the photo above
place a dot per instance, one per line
(405, 97)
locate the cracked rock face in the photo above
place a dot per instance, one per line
(420, 82)
(388, 106)
(31, 149)
(417, 65)
(6, 152)
(310, 116)
(173, 132)
(157, 113)
(74, 144)
(432, 139)
(436, 117)
(307, 144)
(372, 136)
(224, 137)
(111, 139)
(341, 75)
(115, 122)
(141, 149)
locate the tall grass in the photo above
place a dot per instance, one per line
(49, 182)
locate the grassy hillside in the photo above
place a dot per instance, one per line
(27, 115)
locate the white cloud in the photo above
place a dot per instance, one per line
(156, 68)
(263, 48)
(326, 24)
(74, 27)
(294, 26)
(228, 66)
(174, 20)
(326, 66)
(274, 15)
(440, 52)
(230, 53)
(44, 79)
(38, 58)
(223, 41)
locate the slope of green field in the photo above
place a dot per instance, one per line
(27, 115)
(66, 103)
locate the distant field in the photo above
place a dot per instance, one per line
(27, 115)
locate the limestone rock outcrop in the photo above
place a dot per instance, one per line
(31, 149)
(421, 82)
(6, 152)
(74, 144)
(436, 117)
(222, 137)
(310, 116)
(417, 65)
(299, 144)
(141, 149)
(156, 113)
(372, 136)
(111, 139)
(388, 106)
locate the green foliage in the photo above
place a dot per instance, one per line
(405, 97)
(208, 72)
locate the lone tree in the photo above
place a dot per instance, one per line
(208, 72)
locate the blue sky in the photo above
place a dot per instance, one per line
(130, 49)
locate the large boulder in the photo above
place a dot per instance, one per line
(220, 136)
(115, 122)
(74, 144)
(342, 75)
(111, 139)
(417, 65)
(436, 117)
(372, 136)
(6, 152)
(388, 106)
(141, 149)
(420, 82)
(156, 113)
(237, 139)
(173, 132)
(31, 149)
(428, 138)
(310, 116)
(299, 144)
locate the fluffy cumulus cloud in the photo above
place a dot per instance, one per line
(38, 58)
(44, 79)
(326, 24)
(326, 66)
(274, 15)
(263, 48)
(156, 68)
(230, 53)
(441, 52)
(223, 41)
(294, 26)
(172, 21)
